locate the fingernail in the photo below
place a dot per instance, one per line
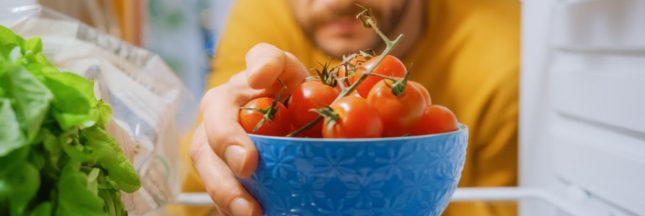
(241, 207)
(235, 158)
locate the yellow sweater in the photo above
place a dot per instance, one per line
(468, 58)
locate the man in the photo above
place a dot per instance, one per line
(464, 51)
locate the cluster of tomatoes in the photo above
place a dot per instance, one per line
(345, 102)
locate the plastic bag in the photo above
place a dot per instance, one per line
(144, 93)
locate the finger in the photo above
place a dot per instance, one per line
(242, 92)
(294, 72)
(263, 62)
(225, 135)
(227, 193)
(266, 63)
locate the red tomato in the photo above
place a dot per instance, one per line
(390, 66)
(398, 113)
(275, 89)
(352, 66)
(278, 125)
(355, 118)
(424, 91)
(311, 94)
(436, 119)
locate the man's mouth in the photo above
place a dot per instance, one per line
(341, 26)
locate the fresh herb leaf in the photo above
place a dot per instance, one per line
(10, 135)
(31, 98)
(44, 209)
(118, 167)
(19, 183)
(74, 100)
(56, 156)
(75, 196)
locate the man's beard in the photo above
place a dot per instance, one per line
(386, 24)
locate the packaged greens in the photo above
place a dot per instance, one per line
(56, 156)
(150, 105)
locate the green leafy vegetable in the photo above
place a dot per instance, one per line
(10, 135)
(103, 147)
(31, 98)
(74, 184)
(74, 101)
(43, 209)
(56, 155)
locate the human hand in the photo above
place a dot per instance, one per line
(221, 149)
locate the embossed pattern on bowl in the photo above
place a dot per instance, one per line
(389, 176)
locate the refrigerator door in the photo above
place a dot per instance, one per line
(582, 132)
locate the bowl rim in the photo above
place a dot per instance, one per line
(462, 129)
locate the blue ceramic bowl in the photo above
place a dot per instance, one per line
(390, 176)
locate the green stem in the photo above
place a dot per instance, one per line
(269, 113)
(370, 69)
(327, 113)
(368, 21)
(341, 83)
(273, 108)
(399, 87)
(306, 127)
(259, 125)
(384, 77)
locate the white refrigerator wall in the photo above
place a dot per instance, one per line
(582, 115)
